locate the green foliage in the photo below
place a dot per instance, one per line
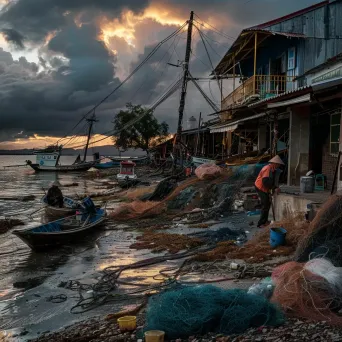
(144, 134)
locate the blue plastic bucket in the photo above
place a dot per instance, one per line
(277, 237)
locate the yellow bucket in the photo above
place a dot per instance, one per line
(154, 336)
(127, 323)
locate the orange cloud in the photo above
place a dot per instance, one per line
(125, 26)
(38, 141)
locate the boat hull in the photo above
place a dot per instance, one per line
(109, 165)
(63, 168)
(43, 241)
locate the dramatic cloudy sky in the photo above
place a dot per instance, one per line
(58, 58)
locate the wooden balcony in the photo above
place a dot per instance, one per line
(259, 87)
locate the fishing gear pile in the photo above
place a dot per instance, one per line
(190, 311)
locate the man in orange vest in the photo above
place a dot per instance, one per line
(264, 184)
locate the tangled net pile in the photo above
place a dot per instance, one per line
(202, 309)
(324, 236)
(159, 242)
(258, 249)
(311, 290)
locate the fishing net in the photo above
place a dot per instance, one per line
(304, 294)
(258, 249)
(139, 192)
(198, 310)
(137, 209)
(159, 242)
(208, 171)
(324, 236)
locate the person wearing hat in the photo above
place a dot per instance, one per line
(264, 184)
(54, 195)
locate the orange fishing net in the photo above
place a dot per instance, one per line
(137, 209)
(303, 294)
(325, 233)
(159, 242)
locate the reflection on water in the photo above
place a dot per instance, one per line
(28, 279)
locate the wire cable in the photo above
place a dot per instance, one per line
(155, 49)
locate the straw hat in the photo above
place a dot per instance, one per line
(276, 160)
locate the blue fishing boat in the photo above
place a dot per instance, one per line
(65, 230)
(107, 165)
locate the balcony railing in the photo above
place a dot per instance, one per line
(259, 86)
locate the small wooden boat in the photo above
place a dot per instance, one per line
(69, 208)
(62, 231)
(107, 165)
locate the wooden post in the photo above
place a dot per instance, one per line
(198, 133)
(255, 59)
(184, 89)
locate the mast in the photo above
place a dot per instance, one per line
(91, 122)
(184, 88)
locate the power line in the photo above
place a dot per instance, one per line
(214, 29)
(130, 75)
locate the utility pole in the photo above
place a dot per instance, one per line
(176, 146)
(91, 122)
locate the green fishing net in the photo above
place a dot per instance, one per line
(198, 310)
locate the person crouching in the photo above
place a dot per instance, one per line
(54, 196)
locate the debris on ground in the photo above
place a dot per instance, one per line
(258, 249)
(7, 224)
(160, 242)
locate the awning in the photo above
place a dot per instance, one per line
(224, 128)
(232, 126)
(299, 99)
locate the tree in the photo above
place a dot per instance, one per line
(144, 134)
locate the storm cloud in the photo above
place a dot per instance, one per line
(76, 67)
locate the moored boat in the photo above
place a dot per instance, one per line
(65, 230)
(48, 159)
(69, 208)
(127, 176)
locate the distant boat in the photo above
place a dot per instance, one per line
(69, 208)
(48, 159)
(136, 160)
(107, 163)
(127, 176)
(62, 231)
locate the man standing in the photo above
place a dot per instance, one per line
(54, 195)
(264, 184)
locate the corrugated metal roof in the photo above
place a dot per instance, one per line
(270, 99)
(291, 15)
(285, 34)
(332, 60)
(226, 62)
(233, 124)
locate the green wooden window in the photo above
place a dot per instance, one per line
(335, 122)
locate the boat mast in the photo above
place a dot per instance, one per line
(91, 122)
(184, 88)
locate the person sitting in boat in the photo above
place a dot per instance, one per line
(265, 183)
(54, 195)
